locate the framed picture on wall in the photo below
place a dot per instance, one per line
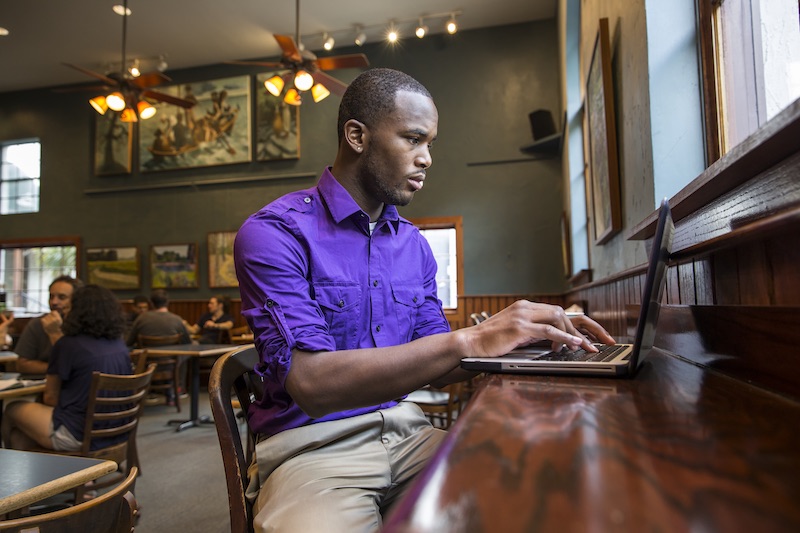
(112, 145)
(173, 266)
(601, 130)
(277, 125)
(116, 268)
(216, 131)
(221, 272)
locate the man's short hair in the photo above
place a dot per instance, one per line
(370, 97)
(76, 283)
(159, 298)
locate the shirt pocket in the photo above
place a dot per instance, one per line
(341, 306)
(408, 297)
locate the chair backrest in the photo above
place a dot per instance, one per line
(234, 371)
(159, 340)
(112, 512)
(113, 410)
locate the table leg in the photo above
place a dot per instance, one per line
(194, 411)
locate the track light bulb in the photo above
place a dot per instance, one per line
(134, 70)
(392, 35)
(162, 64)
(274, 85)
(361, 38)
(421, 30)
(115, 101)
(329, 42)
(303, 80)
(452, 27)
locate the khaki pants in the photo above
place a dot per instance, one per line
(339, 476)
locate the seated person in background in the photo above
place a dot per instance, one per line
(92, 341)
(347, 322)
(6, 318)
(41, 333)
(141, 304)
(158, 322)
(210, 324)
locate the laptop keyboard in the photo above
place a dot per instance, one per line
(606, 352)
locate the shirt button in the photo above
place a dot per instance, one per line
(341, 303)
(378, 328)
(270, 303)
(385, 440)
(307, 200)
(415, 299)
(375, 283)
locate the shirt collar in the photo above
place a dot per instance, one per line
(341, 205)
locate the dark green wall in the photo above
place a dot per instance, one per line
(484, 82)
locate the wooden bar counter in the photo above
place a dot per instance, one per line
(678, 448)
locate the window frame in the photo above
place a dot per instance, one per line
(36, 180)
(452, 222)
(45, 242)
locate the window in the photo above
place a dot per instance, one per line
(27, 269)
(444, 236)
(751, 65)
(20, 165)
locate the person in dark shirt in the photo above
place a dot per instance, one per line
(212, 323)
(92, 341)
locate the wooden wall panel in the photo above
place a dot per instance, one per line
(703, 282)
(784, 260)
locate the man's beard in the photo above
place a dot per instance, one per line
(369, 175)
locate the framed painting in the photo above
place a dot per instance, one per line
(173, 266)
(221, 272)
(116, 268)
(277, 125)
(112, 145)
(216, 131)
(602, 141)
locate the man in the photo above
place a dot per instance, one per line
(158, 322)
(141, 304)
(41, 333)
(340, 292)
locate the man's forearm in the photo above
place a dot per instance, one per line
(31, 366)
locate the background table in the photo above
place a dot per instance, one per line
(195, 351)
(29, 477)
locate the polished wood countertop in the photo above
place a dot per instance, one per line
(677, 448)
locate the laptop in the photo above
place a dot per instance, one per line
(613, 359)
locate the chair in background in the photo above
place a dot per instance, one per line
(439, 405)
(167, 376)
(485, 314)
(112, 512)
(233, 373)
(476, 318)
(113, 410)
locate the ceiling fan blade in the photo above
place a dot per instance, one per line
(290, 50)
(335, 86)
(101, 77)
(167, 98)
(345, 61)
(150, 79)
(267, 64)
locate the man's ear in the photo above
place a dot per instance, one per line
(355, 134)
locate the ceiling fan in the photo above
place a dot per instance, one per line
(126, 93)
(305, 69)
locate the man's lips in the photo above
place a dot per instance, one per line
(417, 181)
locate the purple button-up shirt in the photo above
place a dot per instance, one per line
(313, 278)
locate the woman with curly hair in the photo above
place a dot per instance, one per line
(92, 341)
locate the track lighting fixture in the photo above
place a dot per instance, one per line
(361, 37)
(421, 30)
(452, 27)
(328, 42)
(162, 63)
(134, 70)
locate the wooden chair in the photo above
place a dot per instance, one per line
(439, 405)
(112, 512)
(167, 375)
(115, 404)
(476, 318)
(233, 373)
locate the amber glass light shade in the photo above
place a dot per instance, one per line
(99, 104)
(145, 110)
(274, 85)
(292, 97)
(319, 92)
(128, 115)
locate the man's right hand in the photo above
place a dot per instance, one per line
(51, 322)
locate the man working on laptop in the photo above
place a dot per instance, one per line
(340, 293)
